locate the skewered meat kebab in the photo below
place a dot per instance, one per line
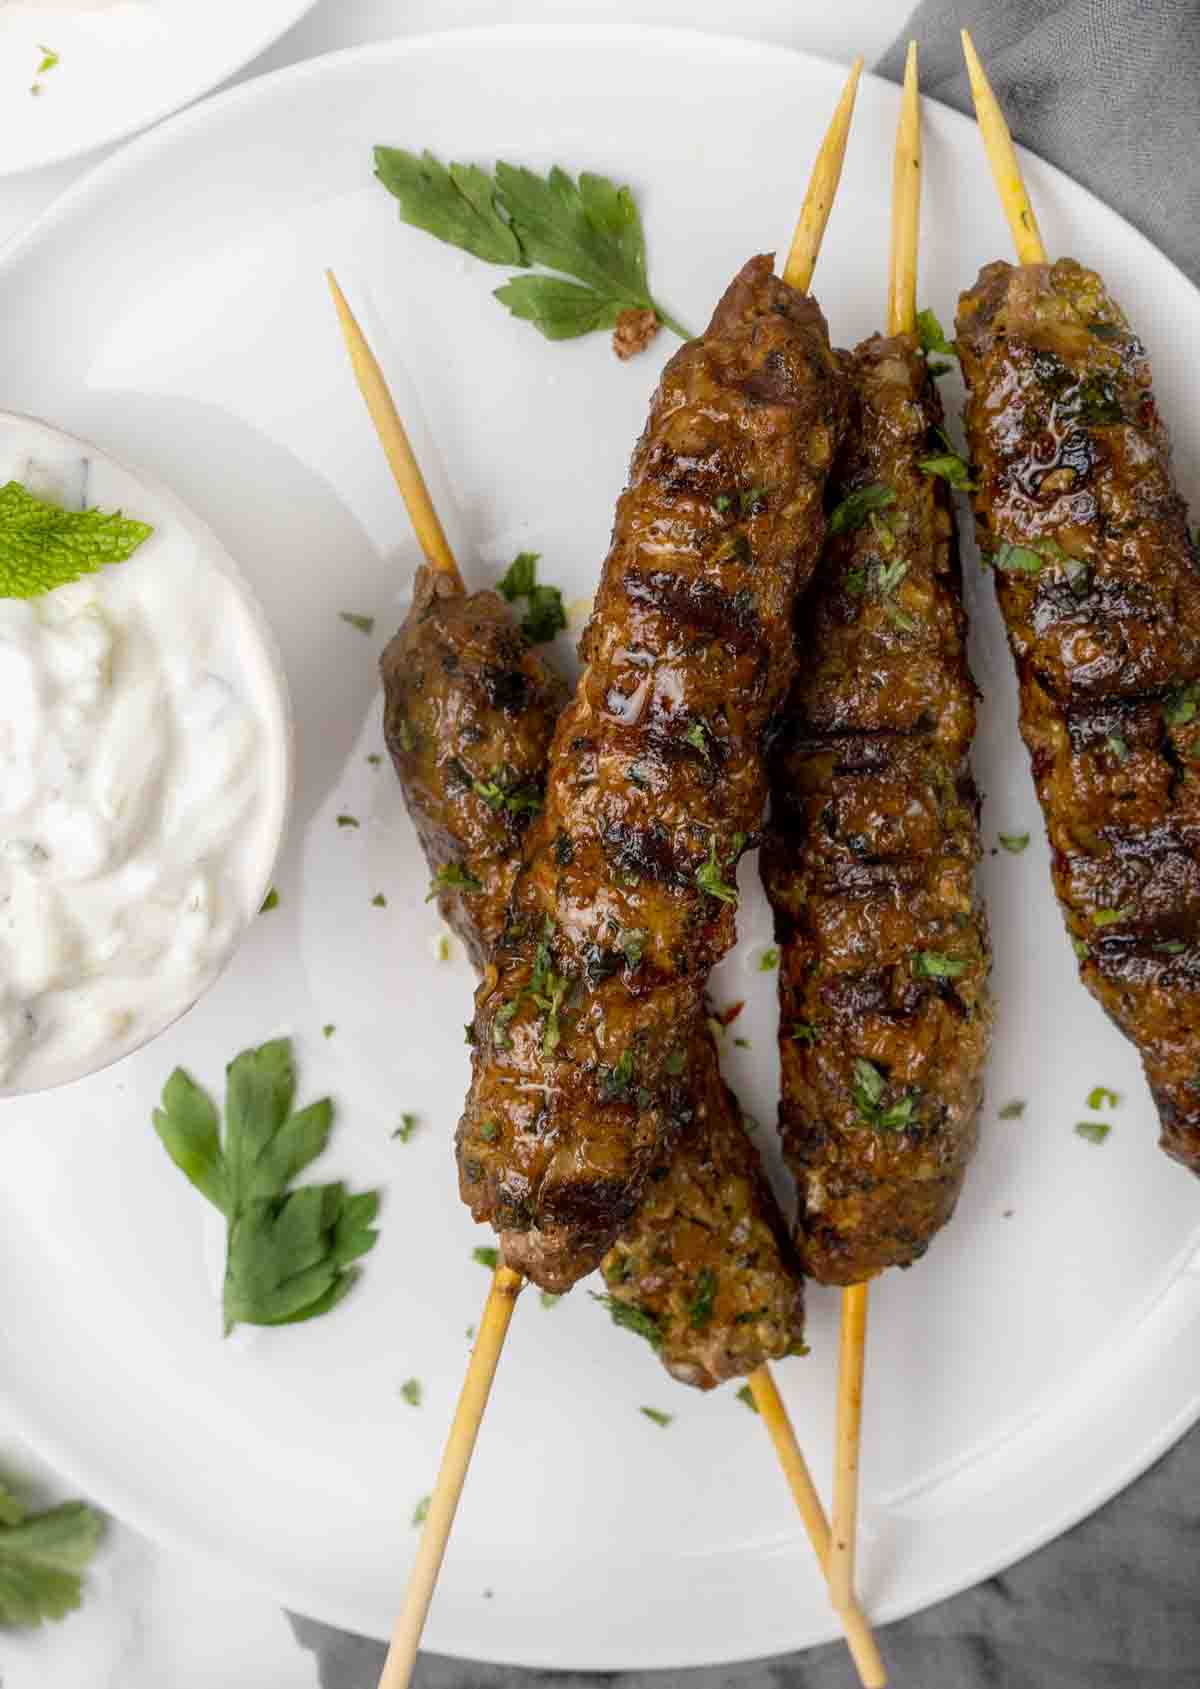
(1097, 578)
(705, 1266)
(656, 782)
(869, 859)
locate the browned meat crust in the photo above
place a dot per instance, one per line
(1097, 578)
(870, 855)
(469, 709)
(656, 782)
(705, 1269)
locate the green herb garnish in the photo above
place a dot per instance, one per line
(489, 1131)
(803, 1032)
(855, 508)
(269, 902)
(1179, 706)
(43, 1557)
(548, 990)
(1017, 559)
(631, 1317)
(1095, 1131)
(411, 1391)
(950, 467)
(452, 877)
(43, 546)
(769, 960)
(364, 624)
(659, 1418)
(700, 1308)
(1110, 917)
(348, 821)
(289, 1252)
(867, 1089)
(486, 1257)
(545, 616)
(328, 1030)
(708, 876)
(1013, 843)
(421, 1510)
(588, 229)
(933, 964)
(697, 736)
(932, 335)
(632, 942)
(746, 1394)
(408, 1125)
(379, 901)
(1013, 1110)
(1101, 1097)
(549, 1299)
(1118, 747)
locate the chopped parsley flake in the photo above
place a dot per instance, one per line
(700, 1308)
(548, 990)
(697, 736)
(1171, 947)
(1013, 843)
(675, 1063)
(932, 964)
(545, 615)
(411, 1391)
(348, 821)
(1110, 917)
(452, 877)
(374, 757)
(549, 1299)
(615, 1081)
(746, 1394)
(1095, 1131)
(421, 1510)
(632, 942)
(951, 468)
(932, 335)
(867, 1089)
(631, 1317)
(1017, 559)
(708, 876)
(379, 901)
(803, 1032)
(328, 1030)
(489, 1131)
(1118, 747)
(364, 624)
(1101, 1097)
(1013, 1110)
(659, 1418)
(269, 902)
(408, 1125)
(486, 1257)
(1179, 706)
(769, 960)
(855, 508)
(722, 503)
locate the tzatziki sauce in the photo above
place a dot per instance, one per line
(144, 771)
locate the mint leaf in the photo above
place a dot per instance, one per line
(42, 1559)
(289, 1252)
(458, 205)
(43, 546)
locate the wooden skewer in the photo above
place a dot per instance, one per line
(822, 189)
(392, 437)
(443, 1504)
(774, 1415)
(902, 319)
(506, 1284)
(1002, 157)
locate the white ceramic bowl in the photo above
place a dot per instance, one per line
(99, 963)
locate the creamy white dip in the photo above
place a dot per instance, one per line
(143, 774)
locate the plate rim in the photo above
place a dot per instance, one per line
(200, 113)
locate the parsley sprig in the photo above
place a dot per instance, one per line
(289, 1252)
(867, 1089)
(586, 229)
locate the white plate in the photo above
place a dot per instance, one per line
(1047, 1348)
(122, 64)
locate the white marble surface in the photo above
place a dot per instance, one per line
(153, 1618)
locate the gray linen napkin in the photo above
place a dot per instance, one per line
(1109, 90)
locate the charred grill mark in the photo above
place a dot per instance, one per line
(697, 605)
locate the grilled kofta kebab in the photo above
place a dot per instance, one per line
(870, 856)
(705, 1269)
(1098, 580)
(656, 782)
